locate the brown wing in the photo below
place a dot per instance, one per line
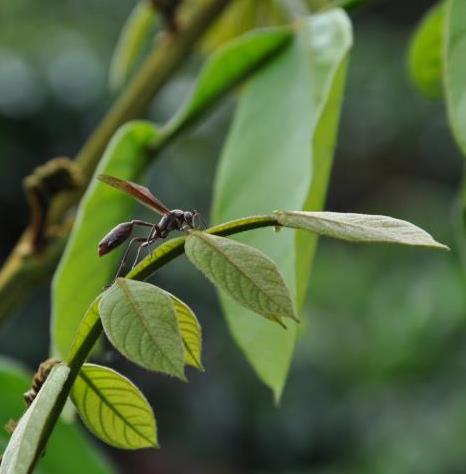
(140, 193)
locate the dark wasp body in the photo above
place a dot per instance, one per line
(171, 220)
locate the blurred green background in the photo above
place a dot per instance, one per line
(377, 385)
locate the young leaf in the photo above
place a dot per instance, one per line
(226, 67)
(67, 439)
(191, 333)
(113, 408)
(244, 273)
(455, 69)
(140, 321)
(278, 154)
(133, 36)
(359, 228)
(81, 274)
(22, 450)
(426, 53)
(243, 16)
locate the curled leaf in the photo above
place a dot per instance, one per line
(359, 228)
(191, 333)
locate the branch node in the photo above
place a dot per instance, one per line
(46, 181)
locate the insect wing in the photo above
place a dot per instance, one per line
(140, 193)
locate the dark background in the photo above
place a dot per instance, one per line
(377, 385)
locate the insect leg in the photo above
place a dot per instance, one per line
(202, 221)
(143, 245)
(125, 256)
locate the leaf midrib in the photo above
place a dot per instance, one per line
(206, 240)
(139, 312)
(104, 400)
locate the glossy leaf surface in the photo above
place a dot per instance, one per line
(113, 408)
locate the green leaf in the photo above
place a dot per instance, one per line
(133, 37)
(426, 53)
(226, 68)
(81, 274)
(359, 228)
(455, 69)
(240, 17)
(191, 333)
(67, 439)
(243, 272)
(140, 321)
(113, 408)
(22, 450)
(278, 155)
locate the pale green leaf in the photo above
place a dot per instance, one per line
(113, 408)
(359, 228)
(133, 37)
(81, 274)
(426, 53)
(227, 67)
(277, 156)
(140, 321)
(22, 450)
(323, 148)
(455, 69)
(191, 333)
(67, 439)
(243, 272)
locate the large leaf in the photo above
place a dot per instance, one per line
(22, 450)
(359, 228)
(81, 274)
(140, 321)
(275, 149)
(113, 408)
(455, 69)
(426, 53)
(133, 37)
(242, 272)
(67, 439)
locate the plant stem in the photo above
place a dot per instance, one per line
(162, 255)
